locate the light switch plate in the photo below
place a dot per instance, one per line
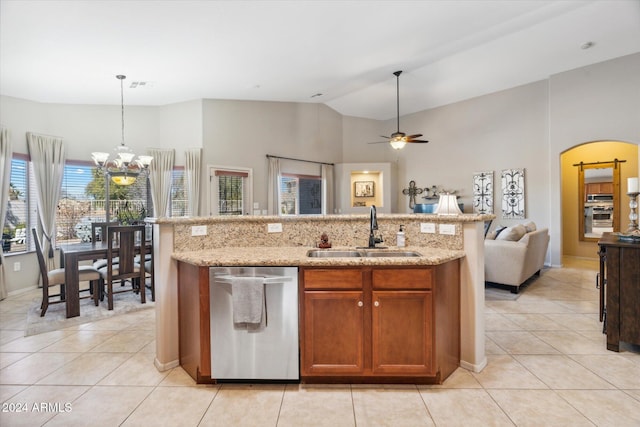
(449, 229)
(427, 227)
(199, 230)
(274, 227)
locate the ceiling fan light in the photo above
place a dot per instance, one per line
(397, 144)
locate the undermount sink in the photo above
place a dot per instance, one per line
(383, 254)
(325, 253)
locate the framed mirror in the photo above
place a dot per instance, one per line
(599, 200)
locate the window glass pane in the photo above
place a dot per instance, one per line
(310, 196)
(77, 209)
(300, 195)
(288, 195)
(14, 231)
(230, 194)
(179, 194)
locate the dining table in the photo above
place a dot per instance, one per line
(70, 256)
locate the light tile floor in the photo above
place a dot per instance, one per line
(547, 366)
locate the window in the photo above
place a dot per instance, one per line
(82, 201)
(179, 194)
(231, 191)
(83, 197)
(15, 235)
(300, 194)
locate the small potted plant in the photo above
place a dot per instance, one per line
(130, 214)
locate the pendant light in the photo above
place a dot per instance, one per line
(122, 166)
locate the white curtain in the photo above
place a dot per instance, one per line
(327, 181)
(160, 177)
(272, 185)
(47, 156)
(5, 161)
(192, 171)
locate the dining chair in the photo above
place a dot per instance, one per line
(56, 278)
(99, 230)
(149, 268)
(99, 233)
(125, 242)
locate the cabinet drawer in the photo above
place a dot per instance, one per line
(332, 279)
(402, 278)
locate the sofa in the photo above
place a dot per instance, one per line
(513, 254)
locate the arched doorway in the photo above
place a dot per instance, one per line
(572, 207)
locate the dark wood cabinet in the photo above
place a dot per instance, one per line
(621, 262)
(380, 324)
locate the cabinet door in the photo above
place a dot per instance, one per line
(606, 187)
(333, 341)
(402, 332)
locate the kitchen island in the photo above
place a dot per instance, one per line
(211, 238)
(362, 319)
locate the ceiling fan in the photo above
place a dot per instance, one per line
(399, 139)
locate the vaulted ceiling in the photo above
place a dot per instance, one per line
(341, 53)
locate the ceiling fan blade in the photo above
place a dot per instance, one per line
(385, 137)
(417, 135)
(419, 141)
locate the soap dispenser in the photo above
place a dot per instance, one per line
(400, 240)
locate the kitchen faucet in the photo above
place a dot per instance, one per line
(373, 225)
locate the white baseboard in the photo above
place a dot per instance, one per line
(165, 366)
(474, 367)
(22, 291)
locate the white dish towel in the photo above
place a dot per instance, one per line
(248, 300)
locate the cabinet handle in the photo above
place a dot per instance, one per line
(377, 303)
(360, 303)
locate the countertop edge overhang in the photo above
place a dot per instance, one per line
(313, 218)
(297, 257)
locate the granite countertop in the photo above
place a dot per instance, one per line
(297, 256)
(462, 218)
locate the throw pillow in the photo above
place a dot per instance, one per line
(499, 229)
(530, 226)
(512, 234)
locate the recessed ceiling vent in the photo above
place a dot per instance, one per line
(134, 85)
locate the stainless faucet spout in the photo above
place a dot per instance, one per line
(373, 225)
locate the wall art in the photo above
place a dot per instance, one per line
(364, 189)
(513, 193)
(483, 192)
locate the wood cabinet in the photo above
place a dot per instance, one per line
(598, 188)
(193, 321)
(621, 262)
(380, 324)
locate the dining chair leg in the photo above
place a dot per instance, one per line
(110, 295)
(45, 300)
(96, 285)
(143, 290)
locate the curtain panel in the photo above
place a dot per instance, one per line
(5, 160)
(192, 173)
(160, 177)
(272, 185)
(328, 190)
(47, 157)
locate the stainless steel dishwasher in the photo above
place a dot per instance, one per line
(269, 352)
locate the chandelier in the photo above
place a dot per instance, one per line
(122, 166)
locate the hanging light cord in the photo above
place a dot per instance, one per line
(121, 78)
